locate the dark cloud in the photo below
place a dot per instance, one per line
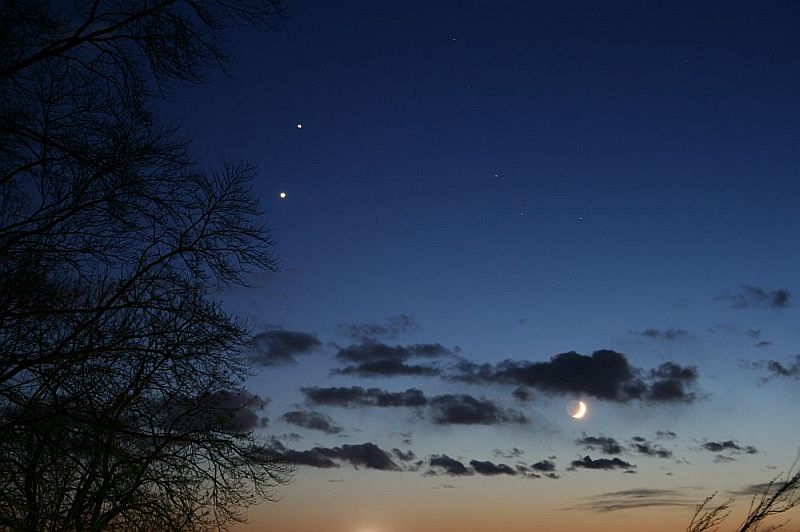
(490, 468)
(600, 443)
(389, 329)
(279, 347)
(661, 334)
(649, 449)
(665, 434)
(375, 359)
(355, 396)
(312, 458)
(449, 466)
(373, 351)
(366, 455)
(729, 446)
(545, 466)
(312, 420)
(791, 369)
(388, 368)
(601, 463)
(670, 383)
(605, 374)
(635, 499)
(754, 297)
(777, 369)
(523, 395)
(763, 343)
(449, 409)
(462, 409)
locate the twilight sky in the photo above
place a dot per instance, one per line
(494, 209)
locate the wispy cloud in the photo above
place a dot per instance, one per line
(661, 334)
(312, 421)
(748, 296)
(636, 498)
(389, 329)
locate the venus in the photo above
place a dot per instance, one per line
(577, 410)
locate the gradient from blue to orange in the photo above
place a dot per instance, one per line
(524, 179)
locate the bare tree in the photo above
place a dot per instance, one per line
(776, 497)
(122, 401)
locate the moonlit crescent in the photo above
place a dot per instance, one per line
(579, 410)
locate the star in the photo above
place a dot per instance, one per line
(299, 125)
(282, 195)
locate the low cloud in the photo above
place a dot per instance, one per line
(661, 334)
(388, 368)
(375, 359)
(365, 455)
(312, 421)
(748, 296)
(449, 466)
(647, 448)
(604, 374)
(371, 351)
(790, 369)
(545, 466)
(490, 468)
(448, 409)
(729, 446)
(776, 369)
(523, 395)
(601, 463)
(600, 443)
(279, 347)
(462, 409)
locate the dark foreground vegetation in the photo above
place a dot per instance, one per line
(121, 379)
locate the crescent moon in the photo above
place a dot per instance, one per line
(580, 411)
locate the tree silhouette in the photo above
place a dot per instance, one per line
(121, 378)
(778, 496)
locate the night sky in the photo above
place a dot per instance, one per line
(494, 209)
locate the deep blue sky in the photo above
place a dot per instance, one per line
(524, 179)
